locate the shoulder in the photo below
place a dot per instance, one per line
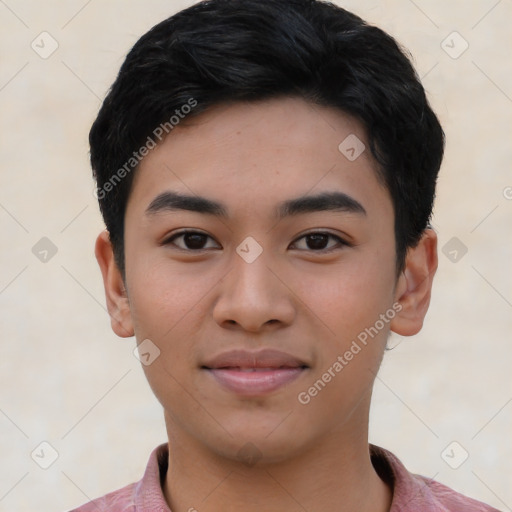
(145, 494)
(122, 500)
(446, 499)
(413, 492)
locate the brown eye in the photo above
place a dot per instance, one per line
(191, 240)
(317, 241)
(320, 242)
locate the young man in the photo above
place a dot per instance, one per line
(266, 170)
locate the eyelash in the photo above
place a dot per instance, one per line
(341, 242)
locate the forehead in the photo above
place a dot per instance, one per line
(251, 156)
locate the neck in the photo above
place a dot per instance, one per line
(332, 476)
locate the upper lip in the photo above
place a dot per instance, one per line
(267, 358)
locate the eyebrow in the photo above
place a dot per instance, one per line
(170, 201)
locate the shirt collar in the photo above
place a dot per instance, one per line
(409, 493)
(149, 495)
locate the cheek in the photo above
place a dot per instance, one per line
(163, 297)
(349, 297)
(163, 308)
(349, 303)
(166, 309)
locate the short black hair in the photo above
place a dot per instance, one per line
(220, 51)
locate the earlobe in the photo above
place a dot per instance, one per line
(115, 292)
(414, 287)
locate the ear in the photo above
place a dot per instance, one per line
(414, 285)
(115, 291)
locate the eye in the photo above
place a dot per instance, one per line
(191, 240)
(197, 241)
(318, 241)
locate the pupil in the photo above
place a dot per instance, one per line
(318, 241)
(193, 240)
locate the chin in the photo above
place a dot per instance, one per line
(269, 442)
(258, 452)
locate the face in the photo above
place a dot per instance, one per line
(269, 292)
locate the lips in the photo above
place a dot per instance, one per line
(254, 373)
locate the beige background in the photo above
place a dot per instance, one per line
(68, 380)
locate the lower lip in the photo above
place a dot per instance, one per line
(255, 382)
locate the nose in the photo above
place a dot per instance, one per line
(253, 297)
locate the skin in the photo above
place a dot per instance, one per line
(294, 297)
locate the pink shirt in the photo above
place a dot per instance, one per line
(411, 493)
